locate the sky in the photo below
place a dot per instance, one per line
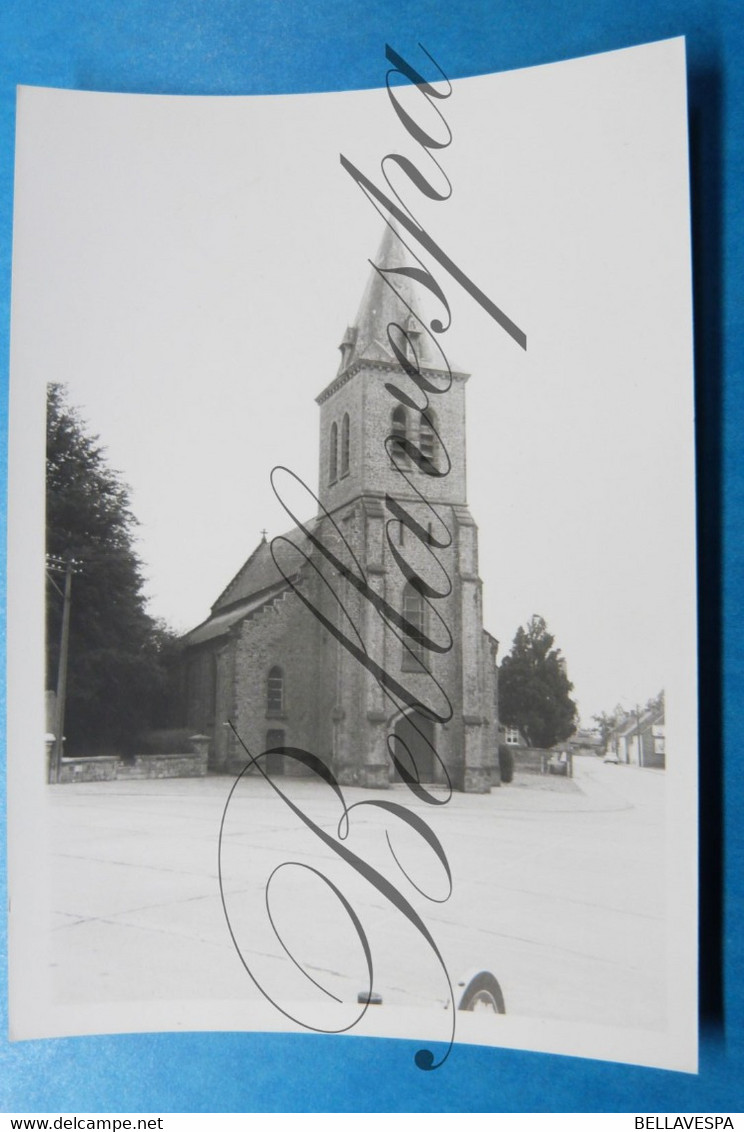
(187, 267)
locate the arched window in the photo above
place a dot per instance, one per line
(398, 431)
(428, 436)
(333, 454)
(413, 612)
(345, 445)
(275, 692)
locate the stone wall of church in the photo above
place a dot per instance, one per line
(342, 733)
(358, 715)
(439, 688)
(281, 636)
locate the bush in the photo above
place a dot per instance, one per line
(506, 763)
(168, 741)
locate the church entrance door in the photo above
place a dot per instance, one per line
(274, 762)
(417, 732)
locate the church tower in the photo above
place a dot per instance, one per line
(357, 408)
(392, 480)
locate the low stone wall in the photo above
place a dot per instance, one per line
(535, 760)
(101, 769)
(186, 765)
(530, 760)
(107, 768)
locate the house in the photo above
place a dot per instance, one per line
(638, 737)
(511, 736)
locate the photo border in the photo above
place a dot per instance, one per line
(243, 49)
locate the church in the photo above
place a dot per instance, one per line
(358, 635)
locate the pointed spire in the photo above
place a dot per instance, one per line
(387, 298)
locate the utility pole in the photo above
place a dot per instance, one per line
(68, 566)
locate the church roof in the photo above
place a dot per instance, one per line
(220, 623)
(256, 583)
(389, 301)
(259, 573)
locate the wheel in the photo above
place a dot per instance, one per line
(483, 994)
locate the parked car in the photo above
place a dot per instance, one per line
(482, 994)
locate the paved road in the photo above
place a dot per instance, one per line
(557, 888)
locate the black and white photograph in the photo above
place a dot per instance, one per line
(352, 634)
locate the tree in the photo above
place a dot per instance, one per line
(116, 675)
(534, 690)
(605, 725)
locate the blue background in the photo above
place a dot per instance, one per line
(275, 46)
